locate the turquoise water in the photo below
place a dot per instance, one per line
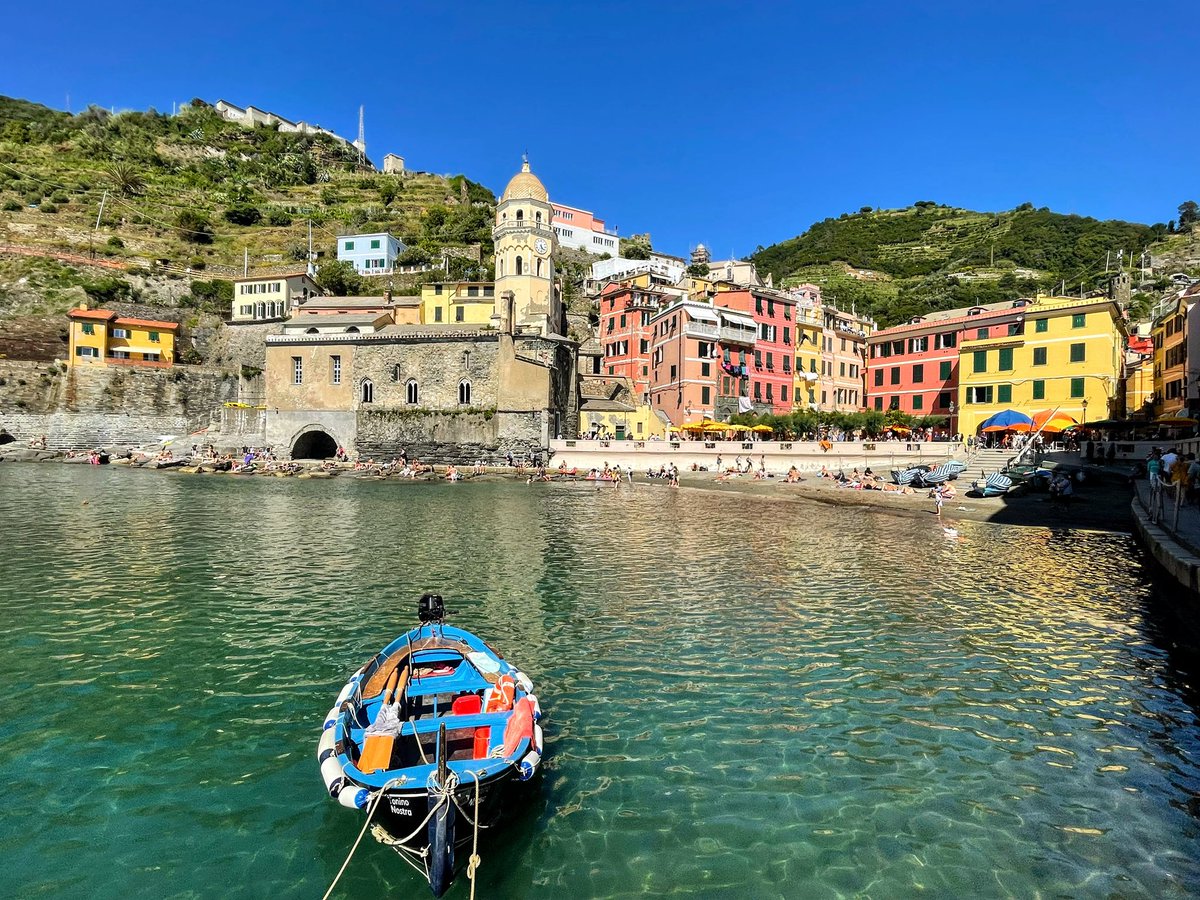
(746, 698)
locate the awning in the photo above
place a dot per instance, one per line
(736, 318)
(702, 315)
(157, 350)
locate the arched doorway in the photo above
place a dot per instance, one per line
(315, 444)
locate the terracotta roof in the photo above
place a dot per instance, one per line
(273, 275)
(606, 406)
(147, 323)
(98, 314)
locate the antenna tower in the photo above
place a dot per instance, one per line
(361, 143)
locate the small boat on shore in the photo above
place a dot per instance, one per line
(433, 738)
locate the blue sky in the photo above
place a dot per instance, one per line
(735, 124)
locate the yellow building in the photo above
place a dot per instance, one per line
(609, 408)
(458, 302)
(1066, 354)
(102, 336)
(809, 321)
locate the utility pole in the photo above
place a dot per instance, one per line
(246, 262)
(1107, 257)
(992, 264)
(99, 216)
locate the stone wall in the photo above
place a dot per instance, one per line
(458, 436)
(103, 405)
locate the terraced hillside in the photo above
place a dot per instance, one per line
(900, 262)
(201, 192)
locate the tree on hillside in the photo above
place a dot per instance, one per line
(339, 278)
(1189, 215)
(194, 227)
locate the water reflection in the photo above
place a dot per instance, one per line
(747, 698)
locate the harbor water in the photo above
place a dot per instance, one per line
(745, 697)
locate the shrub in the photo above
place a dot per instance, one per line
(48, 208)
(115, 243)
(193, 226)
(11, 206)
(198, 262)
(279, 218)
(243, 214)
(60, 197)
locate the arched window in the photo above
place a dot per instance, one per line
(502, 267)
(368, 391)
(520, 214)
(353, 329)
(539, 267)
(395, 373)
(518, 265)
(537, 217)
(410, 392)
(464, 393)
(262, 310)
(312, 331)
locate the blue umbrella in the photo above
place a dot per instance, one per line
(1006, 418)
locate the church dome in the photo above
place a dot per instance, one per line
(525, 186)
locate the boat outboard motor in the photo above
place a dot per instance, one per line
(431, 609)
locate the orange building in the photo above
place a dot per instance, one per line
(102, 336)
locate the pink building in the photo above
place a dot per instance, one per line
(581, 230)
(625, 332)
(771, 313)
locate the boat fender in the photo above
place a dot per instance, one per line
(352, 798)
(332, 775)
(347, 690)
(529, 764)
(325, 745)
(331, 718)
(524, 683)
(537, 740)
(537, 708)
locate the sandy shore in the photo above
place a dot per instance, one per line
(1099, 505)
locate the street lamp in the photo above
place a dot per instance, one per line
(952, 410)
(1084, 423)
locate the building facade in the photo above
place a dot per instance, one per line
(370, 254)
(270, 297)
(458, 302)
(625, 332)
(103, 336)
(581, 230)
(1059, 353)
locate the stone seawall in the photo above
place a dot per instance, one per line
(460, 437)
(79, 407)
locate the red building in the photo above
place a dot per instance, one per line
(625, 332)
(913, 367)
(772, 313)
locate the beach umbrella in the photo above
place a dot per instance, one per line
(762, 428)
(739, 428)
(1052, 420)
(1006, 420)
(1175, 420)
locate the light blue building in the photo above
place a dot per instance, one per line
(370, 254)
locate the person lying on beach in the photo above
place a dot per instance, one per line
(824, 473)
(897, 488)
(793, 476)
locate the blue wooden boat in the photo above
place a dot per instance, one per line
(994, 485)
(433, 738)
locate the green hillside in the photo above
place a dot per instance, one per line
(901, 262)
(200, 191)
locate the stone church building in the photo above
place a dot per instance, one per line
(440, 391)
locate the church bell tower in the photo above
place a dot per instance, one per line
(525, 239)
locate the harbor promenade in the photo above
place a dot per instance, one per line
(1170, 531)
(775, 456)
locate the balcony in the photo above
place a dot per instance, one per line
(701, 330)
(733, 335)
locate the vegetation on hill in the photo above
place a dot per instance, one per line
(199, 191)
(898, 263)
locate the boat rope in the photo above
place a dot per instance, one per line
(475, 861)
(374, 805)
(420, 749)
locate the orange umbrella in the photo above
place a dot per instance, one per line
(1051, 420)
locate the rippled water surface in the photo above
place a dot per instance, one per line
(746, 698)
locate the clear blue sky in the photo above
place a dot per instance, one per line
(735, 124)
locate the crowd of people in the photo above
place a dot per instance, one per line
(1172, 468)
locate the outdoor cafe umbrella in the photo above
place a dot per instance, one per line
(739, 428)
(1051, 420)
(763, 428)
(1006, 420)
(1175, 420)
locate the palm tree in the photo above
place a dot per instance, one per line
(126, 180)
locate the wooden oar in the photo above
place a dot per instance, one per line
(377, 749)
